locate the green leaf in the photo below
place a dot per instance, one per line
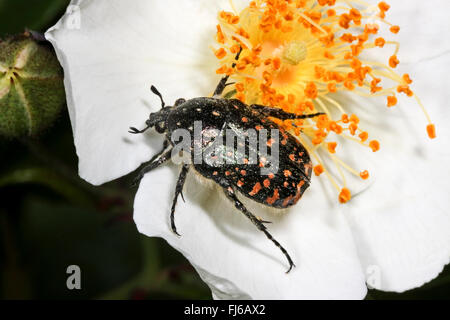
(16, 15)
(47, 178)
(54, 237)
(145, 278)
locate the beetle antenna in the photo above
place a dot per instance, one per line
(155, 91)
(133, 130)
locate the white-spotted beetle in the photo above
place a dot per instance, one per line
(280, 189)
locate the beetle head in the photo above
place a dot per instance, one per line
(158, 119)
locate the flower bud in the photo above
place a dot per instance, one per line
(31, 86)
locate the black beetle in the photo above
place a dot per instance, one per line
(280, 189)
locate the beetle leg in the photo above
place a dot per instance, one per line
(230, 193)
(282, 115)
(223, 82)
(153, 165)
(178, 191)
(156, 156)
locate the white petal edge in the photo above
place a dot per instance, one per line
(110, 61)
(236, 260)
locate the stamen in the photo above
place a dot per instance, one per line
(296, 53)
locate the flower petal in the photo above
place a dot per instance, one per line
(112, 51)
(423, 27)
(238, 261)
(401, 224)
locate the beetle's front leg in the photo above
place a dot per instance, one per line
(153, 165)
(223, 82)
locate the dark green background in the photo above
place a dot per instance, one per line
(50, 219)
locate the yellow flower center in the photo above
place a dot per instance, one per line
(296, 53)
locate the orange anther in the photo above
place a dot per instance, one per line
(328, 55)
(234, 20)
(364, 136)
(356, 16)
(289, 16)
(345, 196)
(318, 170)
(332, 147)
(392, 101)
(407, 78)
(374, 145)
(332, 87)
(220, 36)
(348, 37)
(353, 128)
(380, 42)
(384, 6)
(406, 90)
(349, 85)
(344, 21)
(331, 13)
(431, 129)
(395, 29)
(240, 96)
(364, 175)
(276, 63)
(316, 141)
(354, 118)
(222, 70)
(393, 61)
(240, 87)
(311, 90)
(221, 53)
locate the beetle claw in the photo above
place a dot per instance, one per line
(291, 266)
(133, 130)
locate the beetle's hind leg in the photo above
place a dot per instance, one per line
(223, 82)
(178, 192)
(231, 194)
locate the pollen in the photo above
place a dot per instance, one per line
(220, 53)
(297, 54)
(364, 175)
(431, 129)
(345, 196)
(374, 145)
(318, 170)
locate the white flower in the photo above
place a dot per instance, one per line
(394, 234)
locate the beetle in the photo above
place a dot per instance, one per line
(281, 189)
